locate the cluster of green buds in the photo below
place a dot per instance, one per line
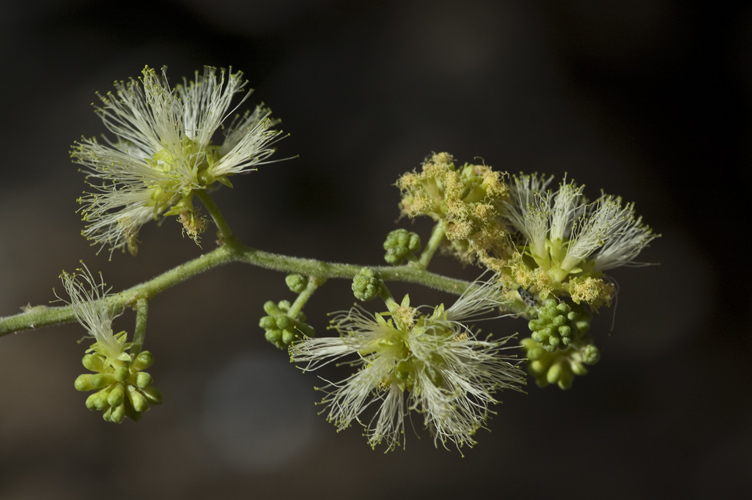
(558, 324)
(123, 388)
(401, 245)
(559, 346)
(281, 328)
(367, 285)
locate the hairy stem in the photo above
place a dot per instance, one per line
(225, 233)
(297, 306)
(139, 335)
(233, 251)
(437, 236)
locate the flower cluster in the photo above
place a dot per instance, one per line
(466, 200)
(564, 242)
(163, 152)
(123, 388)
(550, 249)
(407, 361)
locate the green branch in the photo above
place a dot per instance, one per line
(232, 251)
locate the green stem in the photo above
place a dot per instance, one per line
(142, 310)
(437, 236)
(225, 233)
(38, 317)
(297, 306)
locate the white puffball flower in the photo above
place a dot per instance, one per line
(432, 364)
(163, 150)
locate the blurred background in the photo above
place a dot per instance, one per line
(648, 99)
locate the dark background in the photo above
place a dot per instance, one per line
(648, 99)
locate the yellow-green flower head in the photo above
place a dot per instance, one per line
(571, 240)
(87, 299)
(430, 363)
(163, 151)
(463, 199)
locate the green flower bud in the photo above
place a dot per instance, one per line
(287, 337)
(143, 361)
(296, 283)
(117, 414)
(138, 401)
(590, 354)
(284, 322)
(152, 394)
(273, 336)
(400, 245)
(98, 400)
(366, 285)
(117, 395)
(83, 383)
(101, 380)
(268, 322)
(143, 379)
(270, 308)
(93, 362)
(122, 373)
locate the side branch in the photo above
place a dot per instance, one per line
(232, 251)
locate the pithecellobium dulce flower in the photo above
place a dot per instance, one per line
(546, 249)
(163, 152)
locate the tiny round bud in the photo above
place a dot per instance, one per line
(590, 355)
(296, 283)
(283, 322)
(366, 285)
(273, 336)
(268, 322)
(270, 308)
(287, 337)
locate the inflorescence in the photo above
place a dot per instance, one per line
(546, 249)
